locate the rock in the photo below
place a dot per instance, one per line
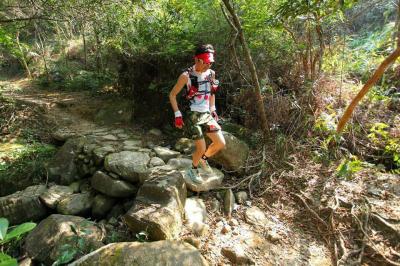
(100, 153)
(113, 221)
(144, 254)
(236, 255)
(23, 206)
(193, 241)
(210, 180)
(241, 197)
(63, 134)
(255, 216)
(54, 194)
(158, 209)
(123, 136)
(75, 186)
(111, 112)
(196, 215)
(128, 204)
(26, 262)
(75, 204)
(155, 161)
(62, 169)
(229, 202)
(184, 144)
(84, 185)
(273, 236)
(226, 229)
(215, 205)
(155, 132)
(133, 142)
(235, 154)
(116, 211)
(127, 164)
(233, 222)
(102, 204)
(112, 187)
(117, 131)
(165, 153)
(48, 240)
(180, 163)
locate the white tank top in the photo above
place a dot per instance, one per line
(201, 101)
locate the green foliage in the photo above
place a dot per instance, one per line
(350, 166)
(7, 235)
(391, 145)
(26, 160)
(6, 260)
(360, 55)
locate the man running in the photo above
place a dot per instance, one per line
(201, 85)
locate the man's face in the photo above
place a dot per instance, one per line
(201, 66)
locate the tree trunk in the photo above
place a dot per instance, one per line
(252, 68)
(22, 57)
(84, 46)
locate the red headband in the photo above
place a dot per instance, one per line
(206, 57)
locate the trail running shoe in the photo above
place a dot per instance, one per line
(206, 167)
(194, 176)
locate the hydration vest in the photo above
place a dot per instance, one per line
(192, 94)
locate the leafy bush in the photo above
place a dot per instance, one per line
(7, 235)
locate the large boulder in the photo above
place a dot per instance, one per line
(63, 169)
(55, 235)
(144, 254)
(158, 208)
(233, 157)
(23, 206)
(127, 164)
(112, 187)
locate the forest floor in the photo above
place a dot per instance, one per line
(308, 216)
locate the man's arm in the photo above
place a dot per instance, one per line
(182, 81)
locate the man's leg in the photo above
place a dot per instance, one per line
(200, 145)
(218, 143)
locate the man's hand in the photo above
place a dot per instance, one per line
(178, 119)
(214, 113)
(215, 116)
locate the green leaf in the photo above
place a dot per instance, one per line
(3, 227)
(6, 260)
(20, 230)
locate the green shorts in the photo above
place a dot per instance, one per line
(197, 123)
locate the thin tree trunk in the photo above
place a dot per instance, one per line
(397, 24)
(22, 57)
(252, 68)
(43, 52)
(84, 46)
(320, 35)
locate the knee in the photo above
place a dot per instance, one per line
(200, 150)
(221, 144)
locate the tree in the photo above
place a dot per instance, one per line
(235, 23)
